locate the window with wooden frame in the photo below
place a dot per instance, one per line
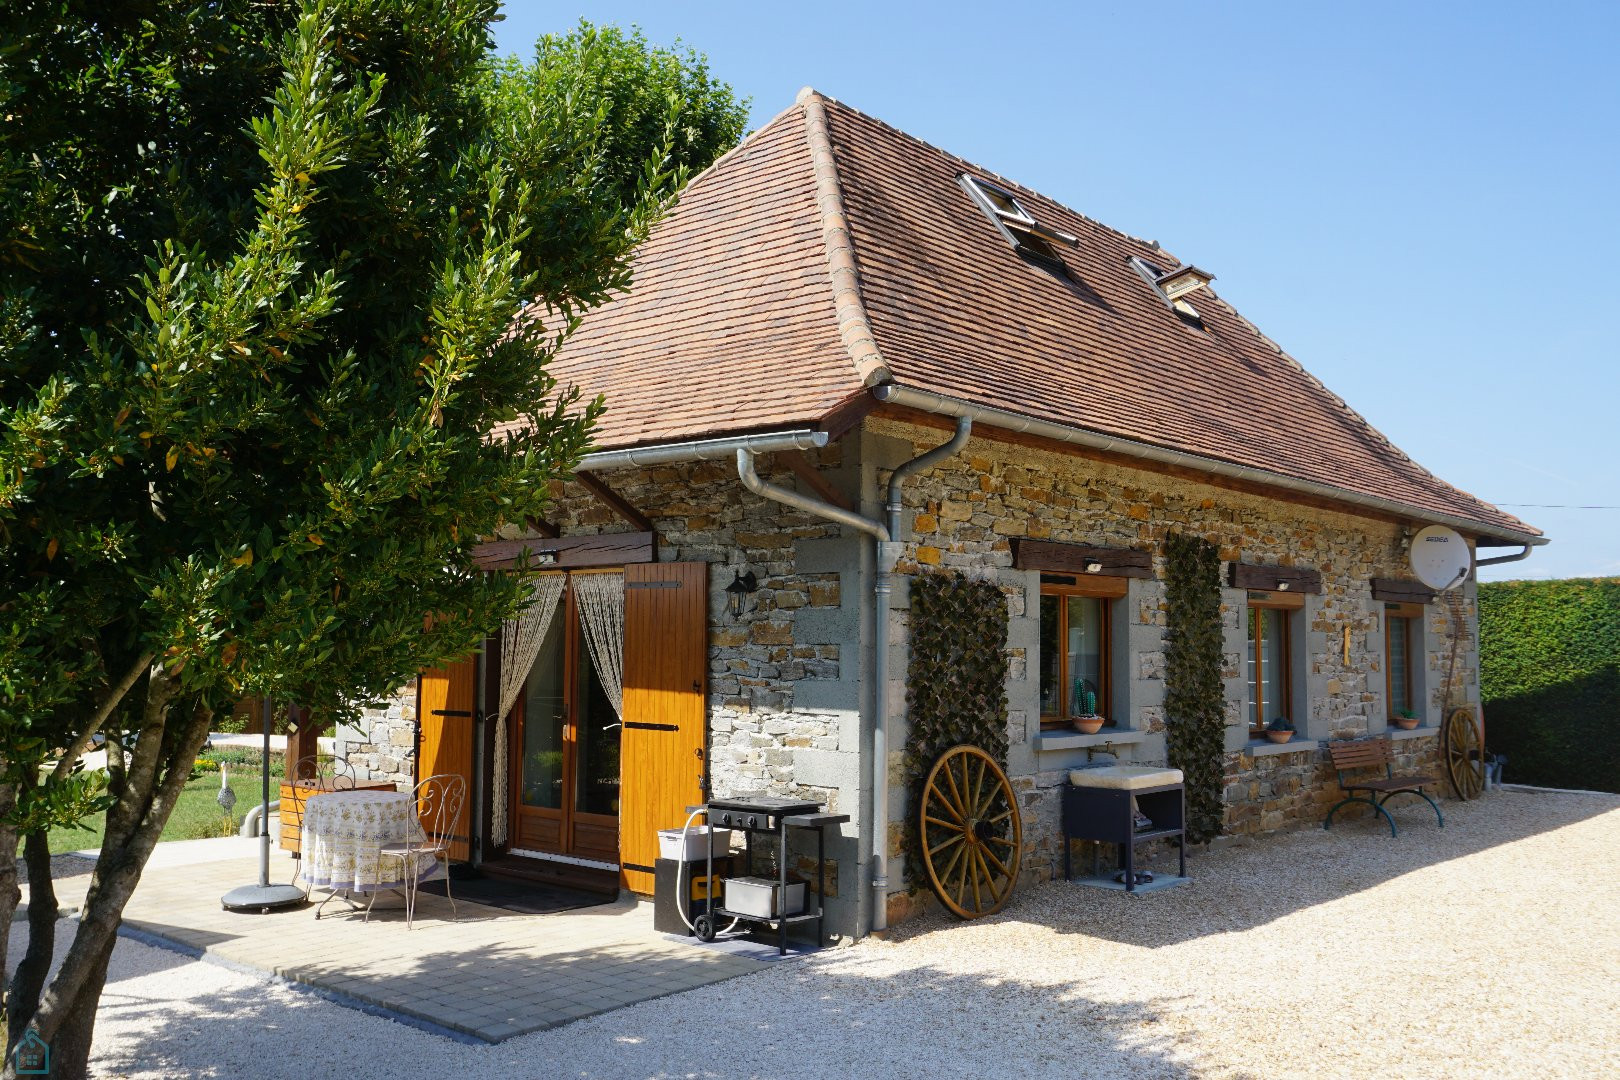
(1401, 642)
(1075, 647)
(1270, 657)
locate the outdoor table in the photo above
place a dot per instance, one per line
(343, 837)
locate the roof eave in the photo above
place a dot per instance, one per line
(941, 404)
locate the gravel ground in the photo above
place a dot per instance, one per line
(1488, 948)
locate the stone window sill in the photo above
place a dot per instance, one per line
(1419, 732)
(1267, 748)
(1050, 741)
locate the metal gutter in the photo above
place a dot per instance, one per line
(1493, 560)
(928, 401)
(701, 450)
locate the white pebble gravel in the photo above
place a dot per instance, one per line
(1487, 949)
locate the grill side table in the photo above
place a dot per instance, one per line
(1105, 814)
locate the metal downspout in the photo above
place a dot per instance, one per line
(1494, 560)
(888, 554)
(880, 728)
(880, 662)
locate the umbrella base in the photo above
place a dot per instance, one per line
(262, 898)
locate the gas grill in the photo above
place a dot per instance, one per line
(764, 812)
(783, 903)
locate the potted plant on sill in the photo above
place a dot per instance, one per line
(1089, 725)
(1280, 730)
(1084, 701)
(1406, 719)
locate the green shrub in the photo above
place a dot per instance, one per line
(243, 761)
(1550, 680)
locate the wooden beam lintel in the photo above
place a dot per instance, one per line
(1299, 579)
(566, 553)
(803, 468)
(614, 501)
(1063, 558)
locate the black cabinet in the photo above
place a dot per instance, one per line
(1106, 814)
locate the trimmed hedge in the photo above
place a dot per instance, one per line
(1550, 680)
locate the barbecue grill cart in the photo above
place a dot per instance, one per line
(775, 903)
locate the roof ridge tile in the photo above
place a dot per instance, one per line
(853, 325)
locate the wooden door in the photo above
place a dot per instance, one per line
(444, 715)
(663, 759)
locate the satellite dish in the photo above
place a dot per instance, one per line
(1440, 557)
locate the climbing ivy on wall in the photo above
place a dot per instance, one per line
(1194, 697)
(956, 685)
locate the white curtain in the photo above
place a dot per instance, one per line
(600, 598)
(521, 639)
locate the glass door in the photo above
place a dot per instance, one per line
(565, 785)
(594, 823)
(540, 729)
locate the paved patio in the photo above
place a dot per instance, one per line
(490, 975)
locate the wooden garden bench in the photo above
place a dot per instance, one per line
(1352, 756)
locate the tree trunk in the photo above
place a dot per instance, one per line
(157, 771)
(10, 894)
(29, 979)
(70, 1047)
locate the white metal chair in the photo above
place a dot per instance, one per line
(311, 775)
(438, 802)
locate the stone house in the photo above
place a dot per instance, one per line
(835, 299)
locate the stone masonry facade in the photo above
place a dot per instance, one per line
(381, 745)
(785, 700)
(963, 515)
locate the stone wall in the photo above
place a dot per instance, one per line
(784, 678)
(1278, 791)
(776, 669)
(381, 745)
(964, 514)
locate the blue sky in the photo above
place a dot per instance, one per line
(1420, 202)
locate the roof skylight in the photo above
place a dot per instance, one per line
(1175, 285)
(1026, 235)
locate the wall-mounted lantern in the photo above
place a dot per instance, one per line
(742, 585)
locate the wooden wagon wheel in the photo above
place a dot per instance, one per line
(1465, 759)
(972, 833)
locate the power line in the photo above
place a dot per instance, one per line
(1557, 506)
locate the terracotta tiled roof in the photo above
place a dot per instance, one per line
(831, 252)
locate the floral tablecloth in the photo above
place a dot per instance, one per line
(344, 832)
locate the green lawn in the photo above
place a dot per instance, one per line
(197, 814)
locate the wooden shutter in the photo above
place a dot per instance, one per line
(663, 755)
(444, 712)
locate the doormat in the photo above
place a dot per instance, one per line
(522, 897)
